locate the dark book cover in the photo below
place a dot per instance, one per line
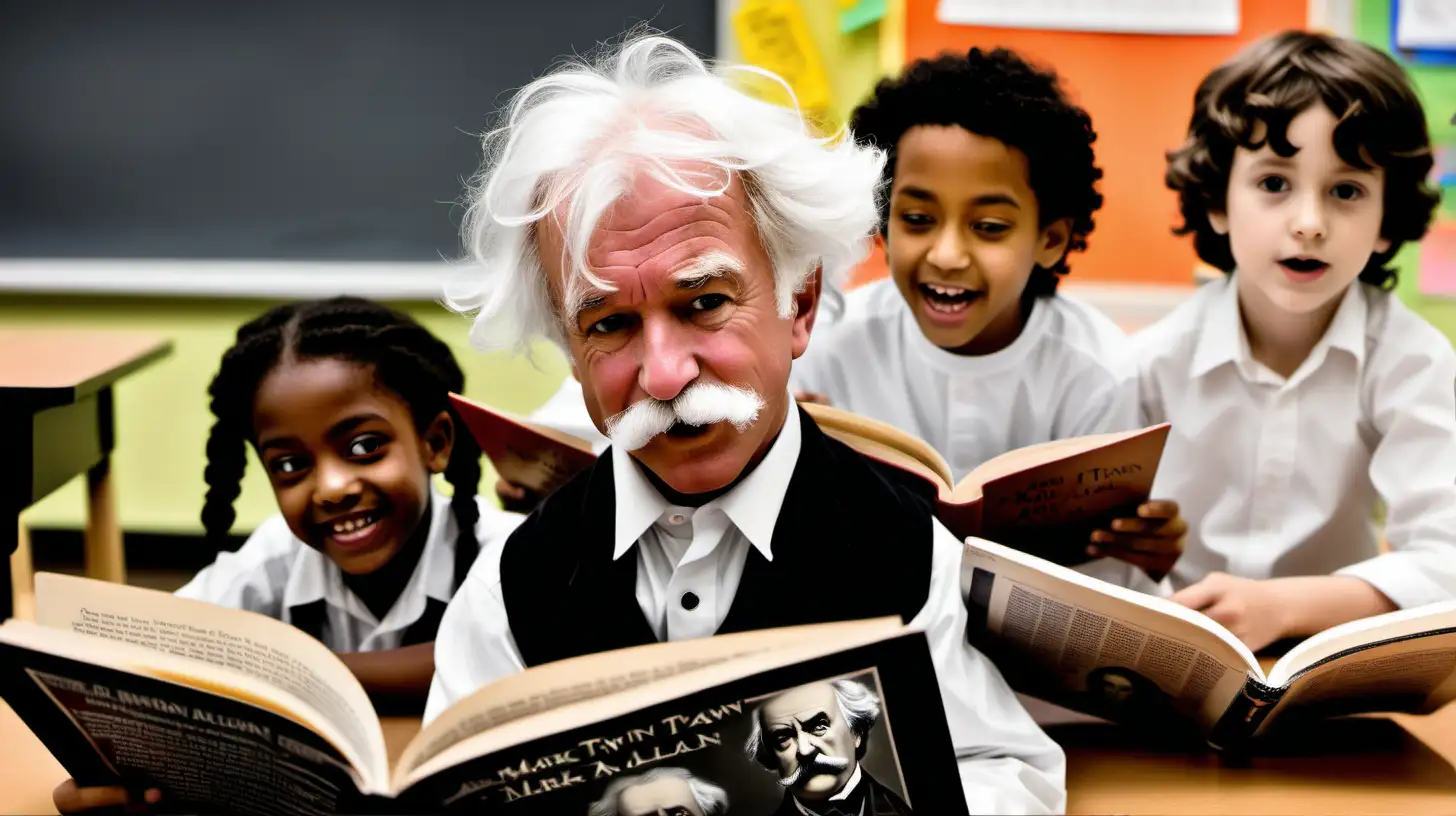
(871, 714)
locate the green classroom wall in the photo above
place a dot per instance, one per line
(162, 416)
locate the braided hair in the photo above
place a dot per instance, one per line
(408, 360)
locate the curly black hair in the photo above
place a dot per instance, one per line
(1001, 96)
(1381, 123)
(406, 359)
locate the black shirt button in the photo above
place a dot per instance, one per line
(689, 601)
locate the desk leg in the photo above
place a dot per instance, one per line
(22, 575)
(105, 559)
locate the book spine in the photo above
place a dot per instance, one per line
(1236, 728)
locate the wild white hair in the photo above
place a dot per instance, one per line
(712, 800)
(574, 141)
(859, 706)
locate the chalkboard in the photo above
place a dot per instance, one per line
(300, 130)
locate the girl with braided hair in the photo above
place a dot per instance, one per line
(346, 404)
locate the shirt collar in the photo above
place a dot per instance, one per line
(1222, 338)
(752, 505)
(313, 577)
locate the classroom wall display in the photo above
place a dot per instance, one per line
(1424, 31)
(774, 35)
(1127, 16)
(1139, 91)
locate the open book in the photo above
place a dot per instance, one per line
(1104, 650)
(229, 711)
(524, 453)
(1045, 499)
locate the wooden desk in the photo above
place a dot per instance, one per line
(1361, 765)
(1395, 764)
(56, 407)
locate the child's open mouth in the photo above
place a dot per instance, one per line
(947, 301)
(1303, 270)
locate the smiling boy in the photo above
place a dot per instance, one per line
(991, 182)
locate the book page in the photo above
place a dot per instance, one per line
(109, 709)
(1094, 647)
(268, 650)
(883, 441)
(786, 647)
(1417, 674)
(553, 685)
(1355, 634)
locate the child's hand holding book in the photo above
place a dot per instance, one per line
(1152, 541)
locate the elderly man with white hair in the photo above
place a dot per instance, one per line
(671, 233)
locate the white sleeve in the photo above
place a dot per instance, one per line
(1007, 763)
(252, 578)
(1412, 402)
(474, 645)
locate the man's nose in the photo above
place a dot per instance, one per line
(806, 745)
(669, 363)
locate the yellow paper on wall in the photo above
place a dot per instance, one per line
(773, 35)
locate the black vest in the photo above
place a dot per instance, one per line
(849, 531)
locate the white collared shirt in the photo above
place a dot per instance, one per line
(1066, 375)
(274, 572)
(1279, 477)
(1007, 764)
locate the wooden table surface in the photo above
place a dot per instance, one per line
(1360, 765)
(40, 359)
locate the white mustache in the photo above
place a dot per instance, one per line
(702, 403)
(815, 766)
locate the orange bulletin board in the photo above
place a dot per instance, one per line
(1139, 90)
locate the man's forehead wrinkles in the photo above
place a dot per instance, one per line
(625, 222)
(686, 242)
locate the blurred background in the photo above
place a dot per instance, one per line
(179, 167)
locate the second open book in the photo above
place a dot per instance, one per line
(1094, 647)
(1045, 498)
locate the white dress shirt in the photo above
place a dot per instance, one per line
(1280, 477)
(273, 572)
(1068, 374)
(1065, 375)
(1007, 764)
